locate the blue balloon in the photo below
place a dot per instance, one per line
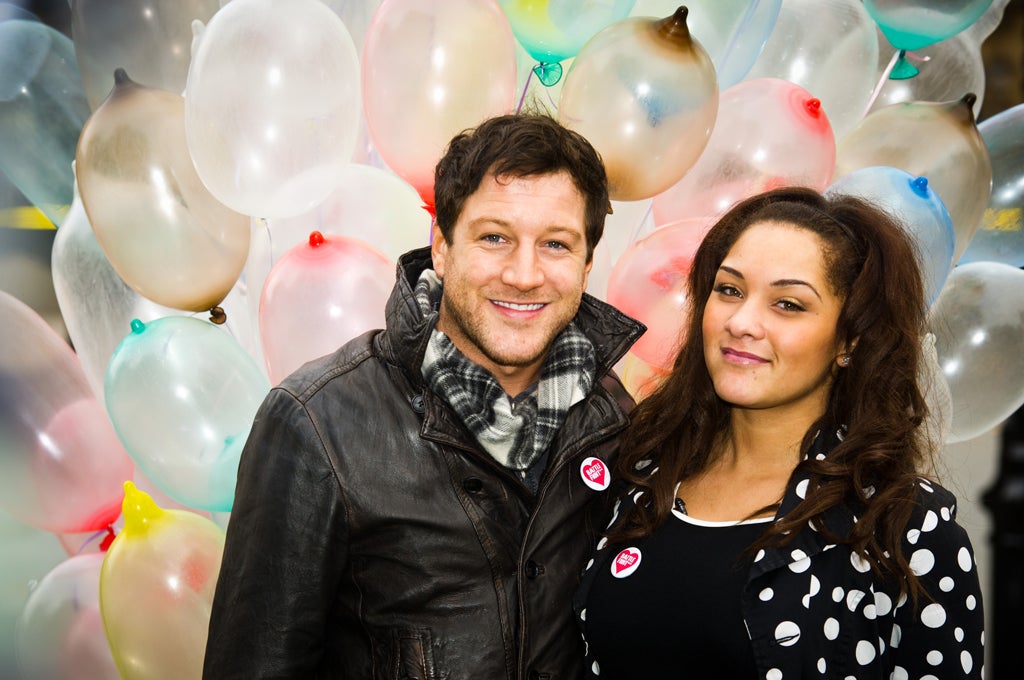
(910, 200)
(1000, 237)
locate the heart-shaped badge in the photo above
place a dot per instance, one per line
(626, 562)
(595, 474)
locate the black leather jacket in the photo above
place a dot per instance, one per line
(372, 538)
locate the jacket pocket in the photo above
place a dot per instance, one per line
(412, 655)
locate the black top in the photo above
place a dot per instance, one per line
(678, 614)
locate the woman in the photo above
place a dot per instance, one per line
(777, 524)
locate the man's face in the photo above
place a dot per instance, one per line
(514, 273)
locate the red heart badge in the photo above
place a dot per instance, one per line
(626, 562)
(595, 474)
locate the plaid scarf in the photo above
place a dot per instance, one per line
(516, 432)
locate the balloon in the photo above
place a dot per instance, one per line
(936, 140)
(554, 30)
(770, 133)
(978, 322)
(318, 296)
(732, 31)
(830, 49)
(96, 304)
(163, 232)
(1000, 237)
(644, 93)
(649, 284)
(156, 589)
(639, 377)
(152, 43)
(625, 224)
(272, 105)
(62, 464)
(431, 70)
(60, 632)
(910, 200)
(182, 394)
(370, 204)
(912, 24)
(953, 66)
(42, 111)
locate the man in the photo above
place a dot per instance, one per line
(420, 503)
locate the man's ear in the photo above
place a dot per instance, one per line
(438, 249)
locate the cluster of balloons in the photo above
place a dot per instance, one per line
(233, 181)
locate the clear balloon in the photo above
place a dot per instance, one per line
(272, 105)
(732, 31)
(947, 70)
(182, 395)
(770, 133)
(649, 284)
(370, 204)
(429, 71)
(910, 200)
(61, 460)
(96, 304)
(830, 49)
(318, 296)
(912, 24)
(60, 631)
(554, 30)
(939, 141)
(645, 94)
(42, 111)
(152, 43)
(978, 322)
(163, 232)
(1000, 238)
(156, 589)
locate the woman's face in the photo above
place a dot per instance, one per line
(770, 323)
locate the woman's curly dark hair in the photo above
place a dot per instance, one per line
(872, 265)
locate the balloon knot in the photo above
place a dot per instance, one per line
(813, 106)
(137, 326)
(108, 539)
(217, 315)
(919, 185)
(548, 74)
(316, 239)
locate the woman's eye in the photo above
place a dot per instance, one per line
(790, 306)
(726, 289)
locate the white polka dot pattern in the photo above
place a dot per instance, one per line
(857, 624)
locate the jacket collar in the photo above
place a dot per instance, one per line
(408, 330)
(809, 541)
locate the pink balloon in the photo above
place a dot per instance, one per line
(769, 133)
(649, 284)
(60, 631)
(61, 464)
(431, 70)
(319, 295)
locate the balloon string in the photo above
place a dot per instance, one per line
(105, 545)
(881, 83)
(526, 86)
(91, 539)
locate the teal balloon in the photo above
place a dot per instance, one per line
(555, 30)
(182, 394)
(733, 32)
(913, 24)
(42, 111)
(1000, 237)
(916, 205)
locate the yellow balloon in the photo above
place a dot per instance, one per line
(156, 589)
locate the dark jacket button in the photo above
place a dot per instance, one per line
(417, 403)
(533, 570)
(472, 485)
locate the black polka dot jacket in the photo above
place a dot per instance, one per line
(814, 609)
